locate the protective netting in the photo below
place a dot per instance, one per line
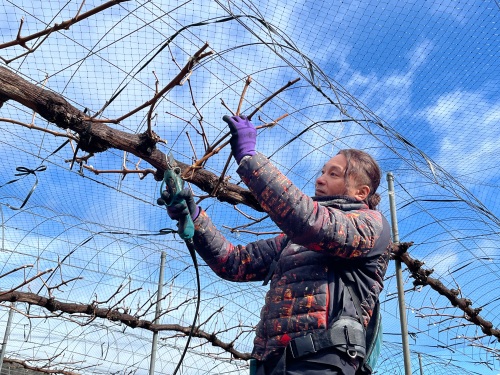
(413, 83)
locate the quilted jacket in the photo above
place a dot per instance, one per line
(318, 241)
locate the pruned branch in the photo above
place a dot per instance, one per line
(115, 315)
(422, 277)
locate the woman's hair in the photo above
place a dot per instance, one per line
(364, 170)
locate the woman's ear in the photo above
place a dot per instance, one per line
(362, 192)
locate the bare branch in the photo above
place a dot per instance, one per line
(192, 146)
(254, 221)
(210, 152)
(39, 274)
(193, 102)
(290, 83)
(242, 97)
(219, 310)
(16, 269)
(62, 26)
(34, 127)
(422, 277)
(44, 369)
(221, 178)
(123, 171)
(226, 106)
(116, 315)
(230, 156)
(186, 70)
(253, 232)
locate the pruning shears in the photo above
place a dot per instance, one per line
(173, 184)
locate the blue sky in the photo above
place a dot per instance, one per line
(427, 71)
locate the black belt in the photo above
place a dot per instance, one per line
(346, 335)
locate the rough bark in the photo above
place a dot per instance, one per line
(98, 137)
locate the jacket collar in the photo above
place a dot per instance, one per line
(342, 202)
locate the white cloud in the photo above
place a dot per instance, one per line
(419, 55)
(466, 124)
(390, 95)
(450, 8)
(442, 262)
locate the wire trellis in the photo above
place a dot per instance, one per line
(413, 85)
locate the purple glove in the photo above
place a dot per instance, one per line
(243, 136)
(177, 210)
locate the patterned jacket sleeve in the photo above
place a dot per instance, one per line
(234, 262)
(344, 234)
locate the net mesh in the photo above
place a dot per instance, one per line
(412, 83)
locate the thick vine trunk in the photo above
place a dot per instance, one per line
(98, 137)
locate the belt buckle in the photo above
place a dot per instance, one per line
(301, 346)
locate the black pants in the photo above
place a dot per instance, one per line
(312, 368)
(315, 364)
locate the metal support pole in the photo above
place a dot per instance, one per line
(157, 314)
(420, 364)
(399, 278)
(6, 335)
